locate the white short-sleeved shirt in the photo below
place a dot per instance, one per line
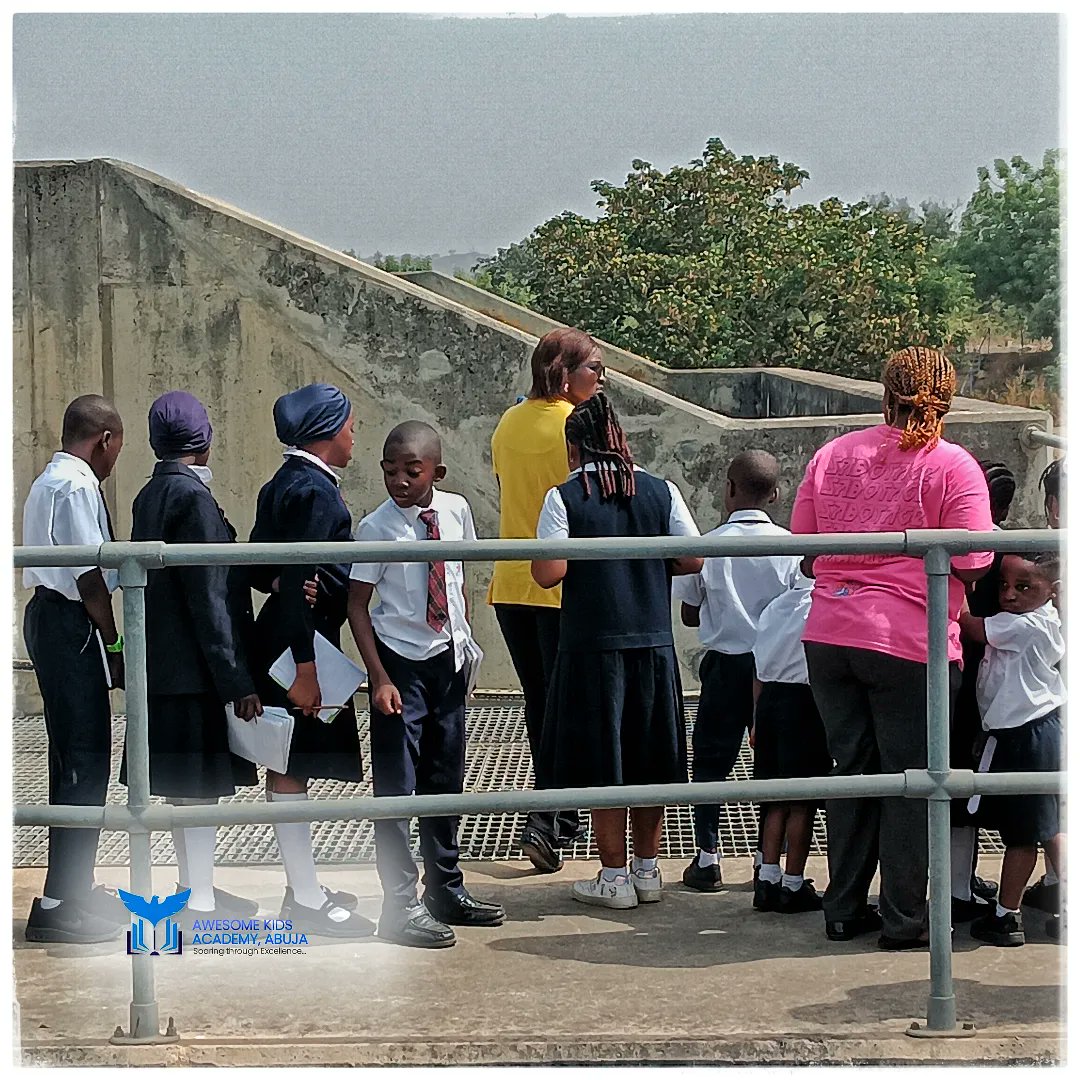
(733, 592)
(779, 656)
(400, 617)
(553, 523)
(1018, 678)
(65, 507)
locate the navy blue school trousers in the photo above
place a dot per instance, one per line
(62, 643)
(725, 713)
(421, 751)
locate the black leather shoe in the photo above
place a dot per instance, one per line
(966, 910)
(317, 922)
(899, 944)
(414, 927)
(340, 898)
(229, 905)
(766, 896)
(69, 924)
(988, 890)
(866, 922)
(577, 836)
(461, 909)
(796, 901)
(1005, 931)
(540, 850)
(1055, 928)
(105, 904)
(703, 878)
(1043, 897)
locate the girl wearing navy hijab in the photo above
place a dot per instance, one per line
(302, 502)
(196, 618)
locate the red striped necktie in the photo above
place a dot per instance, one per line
(437, 612)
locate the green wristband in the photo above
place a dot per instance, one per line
(117, 646)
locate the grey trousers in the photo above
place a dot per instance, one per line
(874, 709)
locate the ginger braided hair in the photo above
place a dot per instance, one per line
(594, 429)
(921, 382)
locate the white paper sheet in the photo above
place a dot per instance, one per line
(339, 678)
(266, 740)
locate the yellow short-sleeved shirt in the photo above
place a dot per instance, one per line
(528, 455)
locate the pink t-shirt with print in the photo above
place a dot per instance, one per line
(864, 482)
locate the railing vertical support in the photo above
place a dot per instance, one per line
(941, 1007)
(145, 1022)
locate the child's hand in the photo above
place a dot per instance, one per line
(751, 737)
(304, 692)
(311, 591)
(386, 699)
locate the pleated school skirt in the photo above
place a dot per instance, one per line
(615, 717)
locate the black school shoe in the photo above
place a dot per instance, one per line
(228, 905)
(899, 944)
(704, 878)
(1055, 928)
(1043, 897)
(415, 928)
(69, 924)
(106, 904)
(317, 921)
(866, 922)
(795, 901)
(540, 850)
(766, 895)
(966, 910)
(1005, 931)
(461, 909)
(340, 898)
(988, 890)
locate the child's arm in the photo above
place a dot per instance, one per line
(547, 573)
(971, 626)
(691, 616)
(384, 694)
(688, 564)
(753, 726)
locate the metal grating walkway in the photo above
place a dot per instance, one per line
(497, 758)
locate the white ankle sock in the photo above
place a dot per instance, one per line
(180, 847)
(294, 843)
(707, 858)
(48, 903)
(1000, 911)
(962, 843)
(794, 882)
(645, 865)
(770, 872)
(611, 874)
(199, 844)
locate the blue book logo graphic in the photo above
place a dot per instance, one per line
(143, 937)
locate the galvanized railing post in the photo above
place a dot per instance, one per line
(145, 1023)
(941, 1006)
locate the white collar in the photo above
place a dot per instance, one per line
(591, 467)
(761, 516)
(295, 451)
(412, 513)
(62, 456)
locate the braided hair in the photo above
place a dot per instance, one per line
(594, 428)
(1050, 481)
(1002, 486)
(921, 381)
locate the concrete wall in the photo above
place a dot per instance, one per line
(129, 285)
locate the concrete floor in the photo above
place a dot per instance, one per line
(696, 978)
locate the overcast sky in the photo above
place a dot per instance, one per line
(424, 134)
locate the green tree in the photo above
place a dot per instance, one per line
(402, 264)
(1009, 240)
(709, 264)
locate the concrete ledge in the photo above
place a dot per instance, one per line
(992, 1048)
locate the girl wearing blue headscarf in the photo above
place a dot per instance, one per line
(196, 620)
(302, 502)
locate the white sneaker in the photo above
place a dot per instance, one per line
(647, 885)
(610, 894)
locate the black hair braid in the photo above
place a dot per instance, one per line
(594, 428)
(1000, 482)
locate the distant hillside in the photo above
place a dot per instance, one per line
(448, 264)
(444, 264)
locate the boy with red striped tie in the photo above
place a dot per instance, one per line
(414, 644)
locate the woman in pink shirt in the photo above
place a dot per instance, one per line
(865, 638)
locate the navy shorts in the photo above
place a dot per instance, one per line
(1025, 820)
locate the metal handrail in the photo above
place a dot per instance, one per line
(1033, 435)
(938, 784)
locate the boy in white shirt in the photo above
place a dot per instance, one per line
(725, 601)
(414, 644)
(1020, 694)
(789, 741)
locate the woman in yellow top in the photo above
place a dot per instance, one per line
(528, 456)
